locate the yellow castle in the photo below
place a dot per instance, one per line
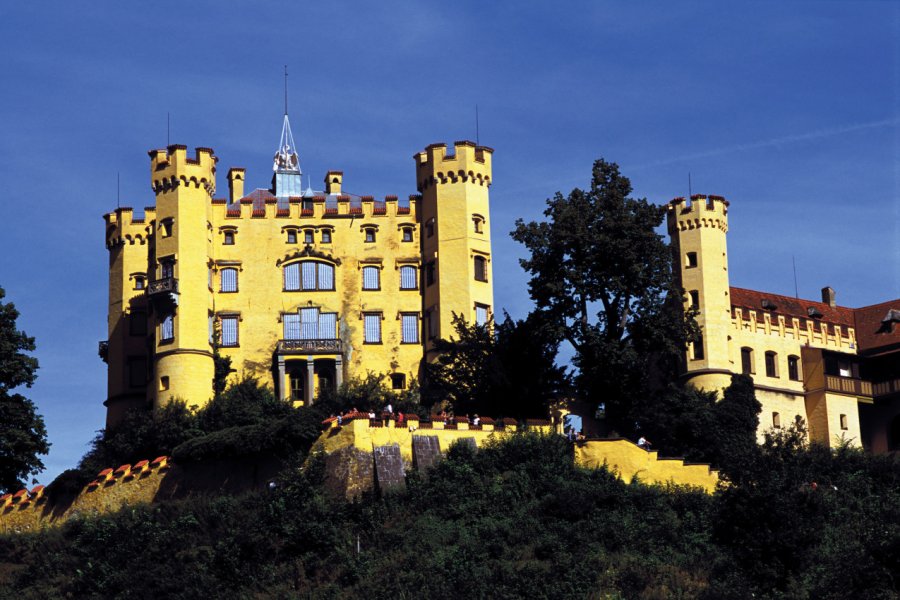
(300, 288)
(838, 368)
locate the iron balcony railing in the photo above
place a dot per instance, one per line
(166, 285)
(309, 346)
(848, 385)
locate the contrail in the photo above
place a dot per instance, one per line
(787, 139)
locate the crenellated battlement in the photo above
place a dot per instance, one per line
(318, 207)
(699, 211)
(467, 163)
(123, 228)
(171, 168)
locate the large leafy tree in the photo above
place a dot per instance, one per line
(603, 275)
(503, 369)
(23, 436)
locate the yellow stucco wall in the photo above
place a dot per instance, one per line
(629, 461)
(701, 228)
(189, 226)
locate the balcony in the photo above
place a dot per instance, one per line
(103, 350)
(848, 385)
(166, 285)
(309, 347)
(885, 388)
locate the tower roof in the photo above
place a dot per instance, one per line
(286, 159)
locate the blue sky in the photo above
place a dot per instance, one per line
(787, 109)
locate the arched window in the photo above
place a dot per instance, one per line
(771, 364)
(308, 275)
(371, 278)
(229, 280)
(409, 278)
(480, 268)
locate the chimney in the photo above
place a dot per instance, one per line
(828, 296)
(333, 182)
(235, 184)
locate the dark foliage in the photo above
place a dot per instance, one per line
(603, 277)
(23, 436)
(369, 393)
(502, 369)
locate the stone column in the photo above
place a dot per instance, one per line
(338, 371)
(310, 381)
(279, 386)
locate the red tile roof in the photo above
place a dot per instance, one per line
(792, 307)
(871, 332)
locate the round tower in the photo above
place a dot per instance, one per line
(179, 294)
(698, 229)
(456, 238)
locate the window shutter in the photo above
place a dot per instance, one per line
(373, 329)
(292, 277)
(292, 326)
(309, 323)
(370, 278)
(408, 278)
(309, 275)
(326, 277)
(229, 280)
(410, 329)
(229, 331)
(328, 326)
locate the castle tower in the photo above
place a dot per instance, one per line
(179, 293)
(456, 238)
(698, 232)
(125, 350)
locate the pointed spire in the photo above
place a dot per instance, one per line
(286, 158)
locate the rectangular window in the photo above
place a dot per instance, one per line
(326, 277)
(228, 238)
(229, 332)
(429, 273)
(776, 420)
(480, 268)
(167, 329)
(167, 269)
(211, 328)
(408, 278)
(370, 235)
(139, 283)
(137, 372)
(372, 326)
(747, 361)
(844, 423)
(292, 277)
(771, 364)
(695, 299)
(691, 260)
(481, 314)
(328, 326)
(309, 275)
(844, 368)
(291, 236)
(433, 324)
(407, 234)
(429, 227)
(371, 278)
(398, 381)
(409, 328)
(291, 326)
(697, 348)
(794, 368)
(309, 323)
(326, 236)
(229, 280)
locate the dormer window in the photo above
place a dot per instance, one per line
(814, 312)
(768, 304)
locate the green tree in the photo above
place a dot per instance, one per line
(603, 276)
(23, 436)
(502, 369)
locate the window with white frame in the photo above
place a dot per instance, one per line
(371, 278)
(229, 331)
(308, 276)
(409, 277)
(228, 280)
(372, 328)
(409, 328)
